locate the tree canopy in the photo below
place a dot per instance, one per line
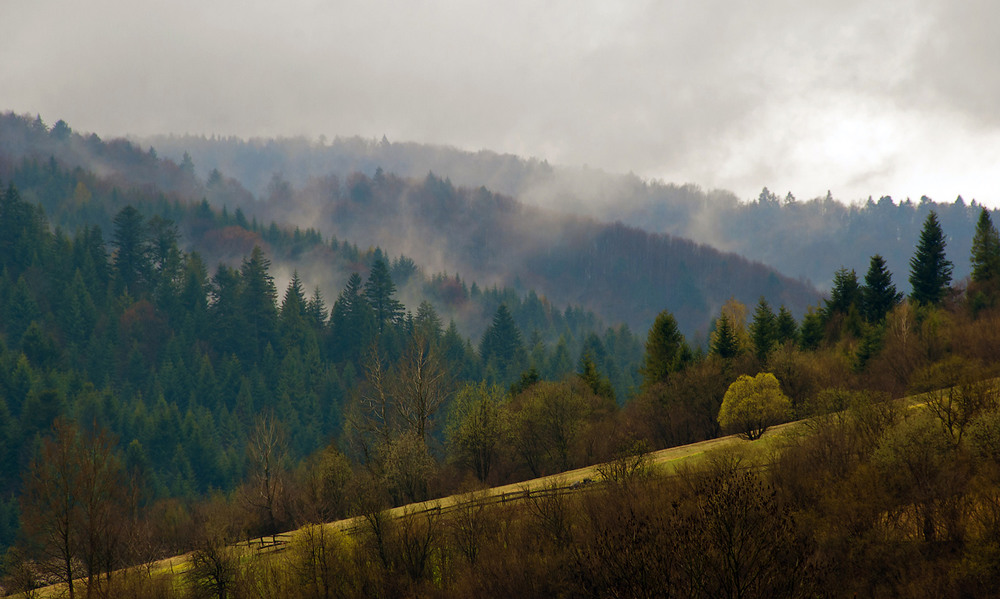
(930, 270)
(753, 404)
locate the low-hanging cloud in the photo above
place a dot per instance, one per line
(865, 99)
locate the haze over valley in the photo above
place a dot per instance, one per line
(437, 299)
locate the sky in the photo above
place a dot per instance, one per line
(897, 97)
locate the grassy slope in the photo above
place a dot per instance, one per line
(665, 462)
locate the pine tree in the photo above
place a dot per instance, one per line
(592, 377)
(293, 320)
(379, 289)
(132, 256)
(427, 323)
(985, 251)
(351, 320)
(788, 330)
(316, 310)
(724, 341)
(258, 303)
(665, 350)
(503, 345)
(846, 292)
(930, 270)
(811, 331)
(763, 329)
(878, 295)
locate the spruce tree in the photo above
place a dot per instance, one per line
(846, 292)
(258, 303)
(724, 342)
(763, 329)
(665, 349)
(502, 344)
(985, 251)
(352, 321)
(930, 270)
(379, 289)
(132, 255)
(787, 328)
(878, 295)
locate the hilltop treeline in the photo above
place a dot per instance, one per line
(489, 237)
(152, 404)
(806, 238)
(411, 429)
(137, 336)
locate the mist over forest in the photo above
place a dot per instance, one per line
(486, 237)
(804, 238)
(230, 351)
(522, 299)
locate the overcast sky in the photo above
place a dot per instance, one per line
(897, 97)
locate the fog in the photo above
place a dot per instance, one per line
(891, 98)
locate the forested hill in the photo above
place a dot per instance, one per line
(623, 273)
(806, 238)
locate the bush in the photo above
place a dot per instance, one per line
(752, 404)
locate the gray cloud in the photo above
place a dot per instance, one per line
(862, 98)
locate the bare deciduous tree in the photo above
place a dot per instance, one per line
(421, 386)
(72, 505)
(265, 491)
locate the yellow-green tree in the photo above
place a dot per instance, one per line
(752, 404)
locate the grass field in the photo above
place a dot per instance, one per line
(665, 462)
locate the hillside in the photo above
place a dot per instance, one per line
(816, 508)
(164, 355)
(804, 238)
(622, 273)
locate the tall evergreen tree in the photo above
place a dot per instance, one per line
(258, 303)
(787, 329)
(666, 350)
(502, 344)
(930, 270)
(132, 251)
(293, 324)
(878, 295)
(21, 231)
(985, 251)
(811, 331)
(763, 329)
(725, 344)
(352, 321)
(427, 324)
(379, 289)
(316, 310)
(846, 292)
(227, 326)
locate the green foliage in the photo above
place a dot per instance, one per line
(725, 344)
(479, 427)
(666, 350)
(878, 295)
(763, 330)
(752, 404)
(811, 332)
(380, 291)
(592, 377)
(132, 252)
(930, 270)
(503, 347)
(258, 311)
(845, 294)
(787, 329)
(985, 256)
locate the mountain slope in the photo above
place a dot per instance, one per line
(623, 273)
(808, 239)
